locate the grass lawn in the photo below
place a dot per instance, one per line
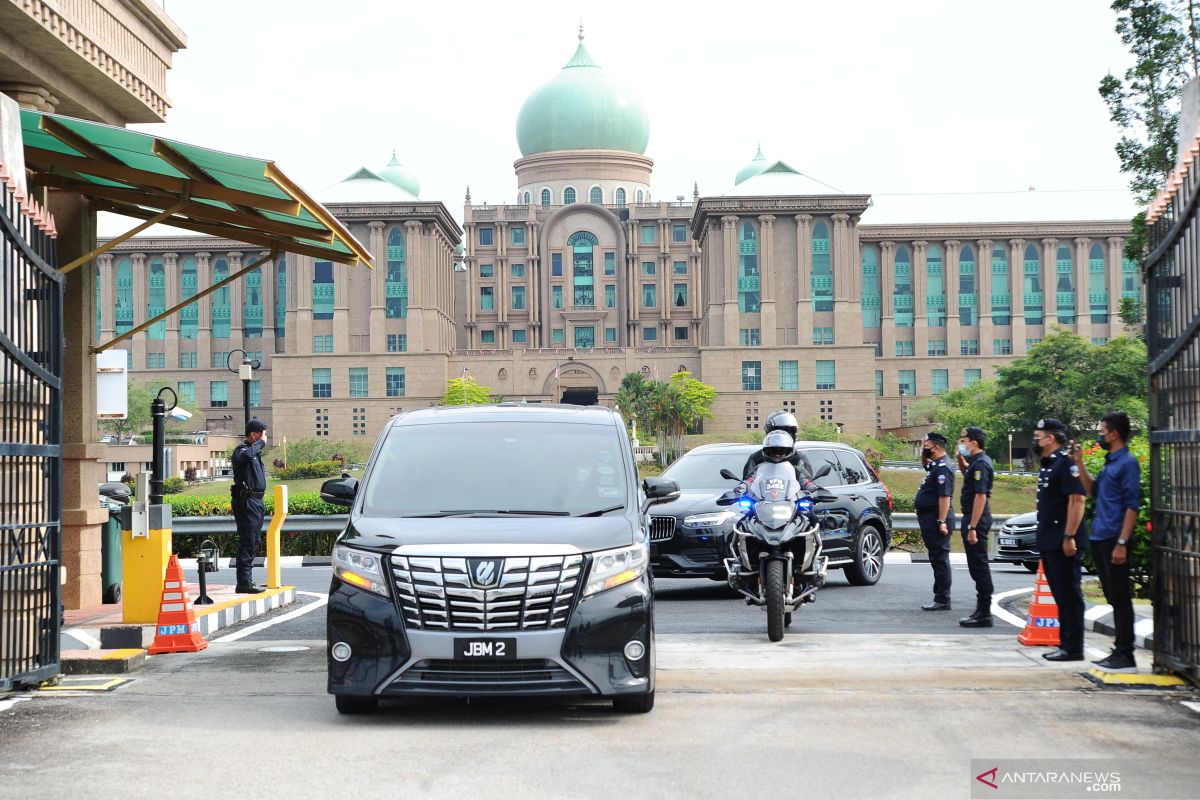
(222, 487)
(1006, 498)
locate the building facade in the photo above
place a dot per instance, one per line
(780, 293)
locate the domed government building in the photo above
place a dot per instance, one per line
(780, 291)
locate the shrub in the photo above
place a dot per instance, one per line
(189, 474)
(183, 505)
(173, 485)
(312, 469)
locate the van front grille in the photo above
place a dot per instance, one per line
(486, 594)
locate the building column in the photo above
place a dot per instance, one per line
(1049, 283)
(887, 291)
(951, 280)
(804, 306)
(141, 282)
(268, 309)
(1114, 280)
(108, 297)
(237, 296)
(732, 316)
(378, 307)
(766, 238)
(920, 284)
(416, 290)
(847, 318)
(171, 297)
(1016, 277)
(983, 285)
(1083, 283)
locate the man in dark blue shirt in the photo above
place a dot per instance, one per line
(1118, 493)
(935, 517)
(1060, 501)
(978, 477)
(249, 483)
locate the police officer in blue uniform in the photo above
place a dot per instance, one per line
(249, 483)
(936, 517)
(978, 476)
(1060, 502)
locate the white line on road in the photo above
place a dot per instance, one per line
(1092, 651)
(997, 611)
(1096, 612)
(322, 599)
(9, 702)
(83, 637)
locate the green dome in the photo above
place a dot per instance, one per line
(757, 165)
(582, 108)
(398, 174)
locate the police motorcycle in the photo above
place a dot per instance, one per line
(776, 544)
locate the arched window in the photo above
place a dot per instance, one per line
(124, 315)
(749, 283)
(568, 195)
(189, 316)
(596, 196)
(639, 195)
(322, 290)
(935, 287)
(1097, 286)
(1001, 294)
(281, 296)
(1065, 285)
(1033, 286)
(871, 295)
(903, 299)
(220, 301)
(396, 288)
(545, 197)
(620, 197)
(583, 279)
(968, 299)
(822, 272)
(252, 302)
(528, 199)
(158, 299)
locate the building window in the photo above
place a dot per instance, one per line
(487, 271)
(908, 382)
(639, 196)
(871, 297)
(158, 300)
(518, 270)
(556, 296)
(256, 394)
(902, 300)
(218, 394)
(680, 268)
(941, 381)
(610, 264)
(545, 197)
(751, 376)
(486, 298)
(649, 334)
(619, 198)
(680, 292)
(323, 344)
(485, 236)
(568, 195)
(749, 283)
(156, 360)
(129, 359)
(681, 333)
(281, 296)
(1001, 298)
(583, 278)
(585, 337)
(359, 422)
(879, 383)
(969, 347)
(935, 288)
(187, 361)
(937, 347)
(596, 195)
(124, 310)
(518, 336)
(220, 301)
(518, 298)
(1002, 347)
(972, 376)
(396, 286)
(395, 381)
(397, 342)
(649, 295)
(610, 295)
(749, 337)
(826, 410)
(679, 233)
(1097, 286)
(218, 360)
(558, 336)
(610, 335)
(322, 421)
(822, 271)
(1031, 343)
(751, 414)
(323, 290)
(527, 198)
(516, 234)
(904, 348)
(648, 268)
(322, 382)
(556, 265)
(789, 376)
(187, 392)
(822, 336)
(358, 382)
(189, 316)
(252, 302)
(826, 374)
(1065, 285)
(1033, 286)
(1100, 340)
(648, 234)
(487, 337)
(968, 300)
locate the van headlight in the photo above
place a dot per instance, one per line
(360, 568)
(711, 520)
(614, 567)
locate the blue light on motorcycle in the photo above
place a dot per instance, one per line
(804, 504)
(745, 502)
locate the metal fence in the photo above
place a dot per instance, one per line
(31, 355)
(1173, 342)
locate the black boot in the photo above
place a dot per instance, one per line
(980, 618)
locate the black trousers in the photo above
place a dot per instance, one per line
(1063, 574)
(249, 515)
(938, 546)
(1118, 590)
(977, 562)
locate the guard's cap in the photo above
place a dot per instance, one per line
(256, 425)
(936, 438)
(974, 434)
(1050, 426)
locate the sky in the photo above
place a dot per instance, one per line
(869, 96)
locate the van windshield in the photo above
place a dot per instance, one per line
(492, 466)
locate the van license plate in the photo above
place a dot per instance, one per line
(470, 649)
(1008, 542)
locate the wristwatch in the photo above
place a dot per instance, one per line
(941, 522)
(1122, 542)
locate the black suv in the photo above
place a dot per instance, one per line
(688, 536)
(495, 550)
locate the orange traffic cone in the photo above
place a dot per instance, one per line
(178, 631)
(1041, 624)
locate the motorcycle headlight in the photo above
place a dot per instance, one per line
(712, 520)
(774, 515)
(612, 568)
(359, 568)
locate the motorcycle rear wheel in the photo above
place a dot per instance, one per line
(776, 586)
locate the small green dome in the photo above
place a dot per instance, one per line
(582, 108)
(757, 165)
(397, 173)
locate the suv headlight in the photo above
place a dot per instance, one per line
(360, 568)
(614, 567)
(713, 519)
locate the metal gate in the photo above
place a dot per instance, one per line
(1173, 341)
(31, 357)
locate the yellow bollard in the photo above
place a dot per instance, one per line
(274, 531)
(144, 558)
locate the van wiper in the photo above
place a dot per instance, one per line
(470, 512)
(602, 511)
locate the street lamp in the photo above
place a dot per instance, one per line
(245, 372)
(1010, 461)
(840, 426)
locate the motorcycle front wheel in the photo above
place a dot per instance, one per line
(776, 587)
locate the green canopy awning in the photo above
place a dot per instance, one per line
(146, 177)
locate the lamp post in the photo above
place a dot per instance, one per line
(1010, 461)
(245, 373)
(840, 427)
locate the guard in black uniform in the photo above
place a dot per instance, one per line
(936, 517)
(1060, 502)
(249, 483)
(978, 476)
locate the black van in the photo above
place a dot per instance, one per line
(495, 550)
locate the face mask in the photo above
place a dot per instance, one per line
(964, 451)
(1103, 444)
(926, 453)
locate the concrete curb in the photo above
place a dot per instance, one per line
(1097, 618)
(101, 662)
(284, 561)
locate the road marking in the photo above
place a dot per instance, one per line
(9, 702)
(83, 637)
(997, 611)
(1193, 706)
(1094, 652)
(1096, 612)
(322, 599)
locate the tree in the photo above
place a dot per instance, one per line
(632, 399)
(672, 408)
(1131, 312)
(140, 396)
(466, 392)
(974, 406)
(923, 411)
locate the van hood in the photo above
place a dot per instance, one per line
(583, 533)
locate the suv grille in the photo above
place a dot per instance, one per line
(662, 528)
(526, 593)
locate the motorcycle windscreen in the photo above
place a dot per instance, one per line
(775, 482)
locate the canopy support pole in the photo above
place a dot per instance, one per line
(110, 244)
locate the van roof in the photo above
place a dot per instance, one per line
(510, 412)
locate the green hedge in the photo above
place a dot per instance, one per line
(313, 469)
(292, 544)
(183, 505)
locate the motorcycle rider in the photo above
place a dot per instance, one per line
(785, 422)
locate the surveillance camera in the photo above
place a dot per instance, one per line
(180, 414)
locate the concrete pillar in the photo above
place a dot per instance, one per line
(378, 308)
(1016, 288)
(887, 291)
(1113, 280)
(804, 309)
(1049, 283)
(1082, 280)
(732, 316)
(767, 267)
(920, 284)
(237, 293)
(983, 283)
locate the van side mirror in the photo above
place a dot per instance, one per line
(339, 491)
(659, 490)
